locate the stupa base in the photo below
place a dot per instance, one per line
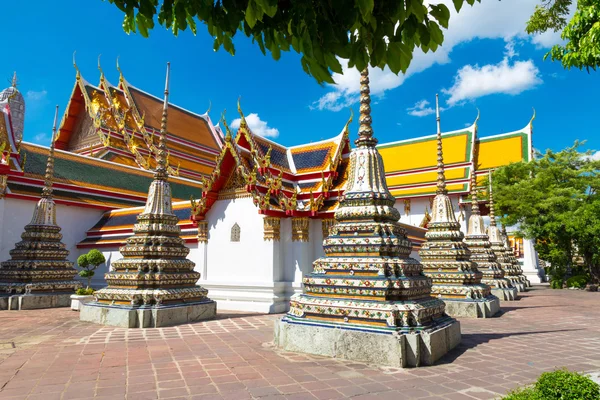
(506, 294)
(483, 308)
(380, 348)
(35, 301)
(148, 317)
(521, 287)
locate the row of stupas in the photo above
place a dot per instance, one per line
(366, 285)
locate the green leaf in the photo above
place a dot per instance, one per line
(457, 4)
(436, 34)
(441, 13)
(251, 14)
(394, 57)
(366, 8)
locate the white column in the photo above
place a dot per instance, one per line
(301, 250)
(531, 267)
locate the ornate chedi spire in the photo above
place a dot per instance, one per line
(367, 286)
(497, 245)
(38, 264)
(517, 272)
(154, 284)
(446, 258)
(482, 255)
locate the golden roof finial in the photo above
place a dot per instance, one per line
(121, 78)
(365, 130)
(474, 202)
(100, 69)
(14, 80)
(228, 135)
(441, 178)
(243, 121)
(47, 191)
(161, 163)
(492, 213)
(78, 75)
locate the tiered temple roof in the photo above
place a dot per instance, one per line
(410, 165)
(121, 124)
(79, 180)
(304, 181)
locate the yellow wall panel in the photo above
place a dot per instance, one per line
(495, 153)
(457, 187)
(423, 154)
(424, 177)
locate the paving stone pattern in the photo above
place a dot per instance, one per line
(50, 354)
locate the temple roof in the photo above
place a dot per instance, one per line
(410, 165)
(121, 124)
(302, 180)
(86, 181)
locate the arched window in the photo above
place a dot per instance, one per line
(235, 233)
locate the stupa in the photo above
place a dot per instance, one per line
(154, 284)
(482, 255)
(516, 266)
(446, 258)
(367, 300)
(503, 255)
(38, 275)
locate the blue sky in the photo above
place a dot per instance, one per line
(487, 62)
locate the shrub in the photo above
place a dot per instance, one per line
(88, 264)
(556, 283)
(84, 292)
(567, 385)
(578, 281)
(528, 393)
(558, 385)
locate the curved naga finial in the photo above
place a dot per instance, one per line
(477, 118)
(239, 106)
(100, 68)
(119, 69)
(209, 107)
(75, 65)
(532, 117)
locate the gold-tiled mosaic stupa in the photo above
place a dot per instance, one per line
(503, 255)
(516, 275)
(482, 255)
(154, 272)
(446, 258)
(38, 263)
(366, 282)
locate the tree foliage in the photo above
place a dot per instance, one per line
(555, 199)
(582, 32)
(380, 33)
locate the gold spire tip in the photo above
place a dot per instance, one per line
(441, 176)
(14, 80)
(365, 129)
(47, 191)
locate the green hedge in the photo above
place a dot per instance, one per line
(558, 385)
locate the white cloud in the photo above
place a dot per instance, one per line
(42, 138)
(257, 126)
(507, 77)
(547, 39)
(32, 95)
(595, 156)
(421, 109)
(504, 19)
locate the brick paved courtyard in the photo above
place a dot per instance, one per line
(49, 354)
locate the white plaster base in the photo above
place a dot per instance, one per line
(78, 300)
(273, 297)
(152, 317)
(485, 308)
(506, 294)
(386, 349)
(34, 301)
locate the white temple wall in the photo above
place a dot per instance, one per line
(74, 221)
